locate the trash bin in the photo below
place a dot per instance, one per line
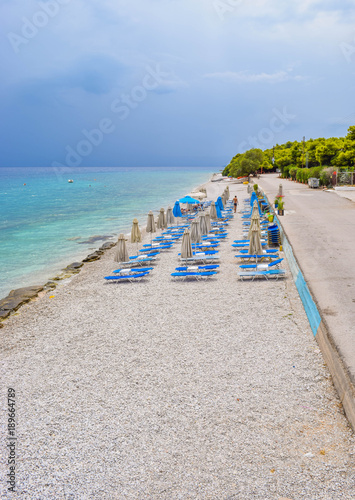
(313, 182)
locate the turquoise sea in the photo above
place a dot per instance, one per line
(46, 222)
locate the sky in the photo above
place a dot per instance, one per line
(99, 83)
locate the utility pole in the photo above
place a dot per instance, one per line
(303, 151)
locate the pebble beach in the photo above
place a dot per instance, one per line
(166, 389)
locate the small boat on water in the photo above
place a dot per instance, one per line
(70, 180)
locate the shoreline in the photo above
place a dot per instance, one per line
(172, 383)
(17, 297)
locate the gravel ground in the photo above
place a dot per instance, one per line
(172, 390)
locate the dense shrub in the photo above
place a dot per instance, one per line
(315, 172)
(293, 172)
(326, 176)
(286, 173)
(299, 175)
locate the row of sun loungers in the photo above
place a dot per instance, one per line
(265, 265)
(204, 262)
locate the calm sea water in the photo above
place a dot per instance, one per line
(46, 223)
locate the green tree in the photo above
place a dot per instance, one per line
(351, 133)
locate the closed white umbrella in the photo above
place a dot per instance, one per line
(228, 193)
(280, 190)
(208, 221)
(136, 236)
(224, 198)
(161, 219)
(121, 254)
(186, 248)
(195, 231)
(213, 212)
(203, 224)
(170, 219)
(255, 219)
(255, 243)
(254, 226)
(151, 225)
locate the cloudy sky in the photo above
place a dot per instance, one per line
(170, 82)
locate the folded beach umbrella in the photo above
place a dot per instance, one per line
(253, 199)
(150, 225)
(213, 212)
(280, 190)
(218, 211)
(121, 254)
(255, 210)
(169, 216)
(186, 248)
(228, 193)
(177, 210)
(224, 197)
(254, 225)
(208, 221)
(220, 203)
(161, 219)
(195, 231)
(136, 236)
(255, 243)
(203, 224)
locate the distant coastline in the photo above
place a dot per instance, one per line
(100, 239)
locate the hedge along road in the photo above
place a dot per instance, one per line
(320, 228)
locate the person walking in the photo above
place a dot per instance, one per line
(235, 200)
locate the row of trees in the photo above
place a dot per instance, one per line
(314, 153)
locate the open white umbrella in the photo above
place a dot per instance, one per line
(121, 254)
(213, 212)
(136, 236)
(170, 219)
(195, 231)
(151, 225)
(203, 224)
(161, 219)
(186, 248)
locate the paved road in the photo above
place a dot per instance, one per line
(320, 227)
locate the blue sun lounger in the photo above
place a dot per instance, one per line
(149, 248)
(271, 273)
(139, 260)
(204, 246)
(127, 277)
(252, 257)
(149, 251)
(193, 274)
(266, 250)
(246, 244)
(261, 267)
(219, 236)
(133, 270)
(208, 267)
(201, 257)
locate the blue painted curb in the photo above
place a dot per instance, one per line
(309, 305)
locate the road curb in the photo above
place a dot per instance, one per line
(326, 343)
